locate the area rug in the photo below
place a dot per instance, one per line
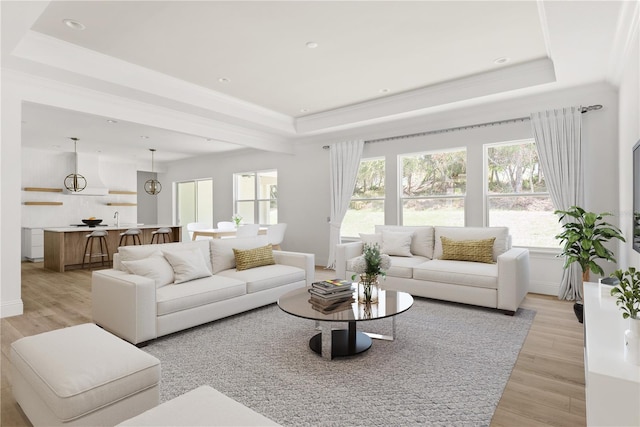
(448, 365)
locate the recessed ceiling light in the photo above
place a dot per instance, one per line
(112, 121)
(209, 139)
(224, 80)
(144, 137)
(385, 90)
(501, 60)
(56, 146)
(75, 25)
(304, 110)
(312, 45)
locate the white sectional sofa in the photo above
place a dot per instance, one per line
(417, 266)
(181, 285)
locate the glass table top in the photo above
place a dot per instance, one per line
(390, 303)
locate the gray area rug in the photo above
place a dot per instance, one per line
(448, 365)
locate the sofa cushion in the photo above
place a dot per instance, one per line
(400, 266)
(266, 277)
(136, 252)
(396, 243)
(500, 246)
(155, 267)
(187, 265)
(171, 299)
(252, 258)
(422, 240)
(464, 273)
(468, 250)
(222, 257)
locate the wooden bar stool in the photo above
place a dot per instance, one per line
(99, 237)
(133, 233)
(163, 233)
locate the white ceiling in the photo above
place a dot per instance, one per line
(371, 58)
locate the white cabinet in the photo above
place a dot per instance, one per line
(33, 244)
(612, 385)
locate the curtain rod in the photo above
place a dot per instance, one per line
(476, 125)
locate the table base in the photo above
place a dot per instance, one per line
(341, 345)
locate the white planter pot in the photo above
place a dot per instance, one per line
(632, 342)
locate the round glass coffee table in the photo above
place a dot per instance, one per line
(332, 343)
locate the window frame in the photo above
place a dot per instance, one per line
(367, 199)
(256, 191)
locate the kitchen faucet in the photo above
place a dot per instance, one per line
(117, 217)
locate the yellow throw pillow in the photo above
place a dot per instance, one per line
(251, 258)
(468, 250)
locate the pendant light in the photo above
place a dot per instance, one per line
(75, 182)
(152, 186)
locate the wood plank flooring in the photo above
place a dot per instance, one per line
(546, 387)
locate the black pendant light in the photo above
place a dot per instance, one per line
(75, 182)
(152, 186)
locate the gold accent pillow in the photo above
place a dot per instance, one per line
(251, 258)
(468, 250)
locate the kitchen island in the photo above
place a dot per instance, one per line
(64, 246)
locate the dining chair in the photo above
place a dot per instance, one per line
(248, 230)
(194, 226)
(226, 225)
(275, 234)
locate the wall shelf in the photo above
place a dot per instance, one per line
(122, 204)
(44, 189)
(43, 203)
(122, 192)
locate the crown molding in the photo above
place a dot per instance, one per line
(626, 32)
(403, 105)
(66, 56)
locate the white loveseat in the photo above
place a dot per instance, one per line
(143, 306)
(501, 284)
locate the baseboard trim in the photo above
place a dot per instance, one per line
(11, 308)
(544, 288)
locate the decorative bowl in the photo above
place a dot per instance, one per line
(92, 222)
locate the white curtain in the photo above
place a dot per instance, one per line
(343, 169)
(558, 135)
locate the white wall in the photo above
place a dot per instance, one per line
(303, 178)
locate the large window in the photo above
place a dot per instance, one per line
(517, 196)
(256, 196)
(434, 185)
(366, 208)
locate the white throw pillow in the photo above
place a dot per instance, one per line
(222, 256)
(371, 239)
(187, 265)
(396, 243)
(155, 267)
(421, 241)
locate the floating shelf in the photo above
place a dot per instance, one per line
(122, 204)
(43, 203)
(44, 189)
(122, 192)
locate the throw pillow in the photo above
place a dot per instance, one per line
(222, 257)
(468, 250)
(396, 243)
(421, 241)
(371, 239)
(155, 267)
(251, 258)
(187, 265)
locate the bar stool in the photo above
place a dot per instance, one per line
(164, 233)
(101, 237)
(133, 233)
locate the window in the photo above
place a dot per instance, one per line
(517, 196)
(366, 208)
(195, 201)
(256, 197)
(434, 186)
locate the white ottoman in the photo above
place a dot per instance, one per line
(82, 375)
(203, 406)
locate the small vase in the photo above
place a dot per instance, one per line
(368, 289)
(632, 342)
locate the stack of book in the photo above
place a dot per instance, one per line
(331, 296)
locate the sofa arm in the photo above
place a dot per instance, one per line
(300, 260)
(124, 304)
(344, 252)
(513, 278)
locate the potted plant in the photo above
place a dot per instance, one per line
(627, 294)
(369, 266)
(582, 240)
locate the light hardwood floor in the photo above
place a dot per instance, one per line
(546, 387)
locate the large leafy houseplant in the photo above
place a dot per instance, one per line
(627, 292)
(583, 237)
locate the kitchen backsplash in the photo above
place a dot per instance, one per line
(48, 169)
